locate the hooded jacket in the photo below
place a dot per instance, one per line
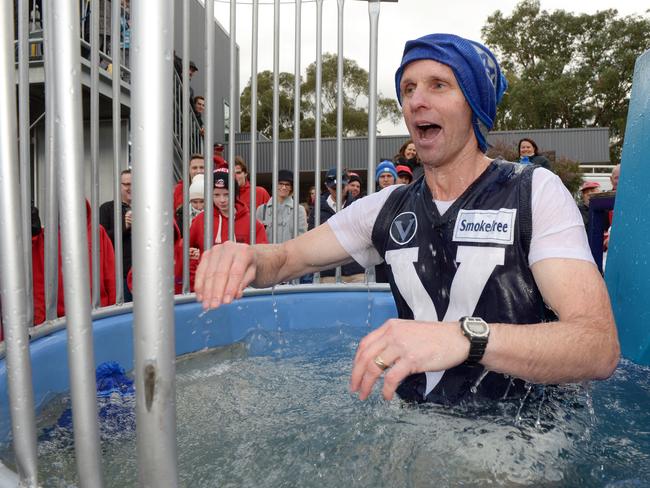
(242, 227)
(178, 265)
(261, 195)
(106, 271)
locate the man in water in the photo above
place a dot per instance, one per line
(488, 260)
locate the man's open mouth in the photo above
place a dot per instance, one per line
(428, 131)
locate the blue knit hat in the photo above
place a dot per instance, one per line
(476, 69)
(385, 167)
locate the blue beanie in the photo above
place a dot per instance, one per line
(476, 69)
(386, 167)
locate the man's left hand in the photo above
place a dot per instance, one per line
(407, 347)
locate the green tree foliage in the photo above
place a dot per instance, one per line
(265, 105)
(565, 69)
(355, 102)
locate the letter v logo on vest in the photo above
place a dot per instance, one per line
(494, 226)
(403, 228)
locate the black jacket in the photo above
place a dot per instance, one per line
(325, 213)
(541, 161)
(107, 221)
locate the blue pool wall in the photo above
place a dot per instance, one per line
(627, 272)
(113, 336)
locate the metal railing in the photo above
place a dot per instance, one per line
(103, 27)
(195, 143)
(159, 129)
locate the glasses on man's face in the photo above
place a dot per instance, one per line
(284, 185)
(126, 185)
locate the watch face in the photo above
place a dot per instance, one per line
(476, 327)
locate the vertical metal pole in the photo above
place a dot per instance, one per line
(94, 150)
(319, 78)
(51, 256)
(74, 240)
(296, 119)
(25, 164)
(208, 114)
(253, 161)
(339, 107)
(106, 17)
(339, 118)
(276, 118)
(231, 127)
(373, 12)
(12, 278)
(118, 243)
(186, 146)
(153, 276)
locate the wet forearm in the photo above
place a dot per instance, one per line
(553, 352)
(270, 264)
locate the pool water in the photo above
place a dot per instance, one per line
(275, 411)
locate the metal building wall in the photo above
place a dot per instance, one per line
(197, 54)
(586, 145)
(589, 146)
(105, 160)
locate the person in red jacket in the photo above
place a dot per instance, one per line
(178, 264)
(38, 275)
(221, 195)
(220, 198)
(217, 156)
(241, 175)
(106, 271)
(197, 165)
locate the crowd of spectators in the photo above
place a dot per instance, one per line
(404, 168)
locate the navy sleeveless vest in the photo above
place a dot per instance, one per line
(470, 261)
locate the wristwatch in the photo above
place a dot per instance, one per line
(477, 332)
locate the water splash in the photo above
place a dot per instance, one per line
(586, 386)
(589, 403)
(538, 422)
(274, 305)
(474, 387)
(369, 302)
(529, 387)
(281, 339)
(505, 395)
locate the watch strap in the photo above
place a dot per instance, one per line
(477, 347)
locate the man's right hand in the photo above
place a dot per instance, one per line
(223, 273)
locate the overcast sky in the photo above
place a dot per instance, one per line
(398, 22)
